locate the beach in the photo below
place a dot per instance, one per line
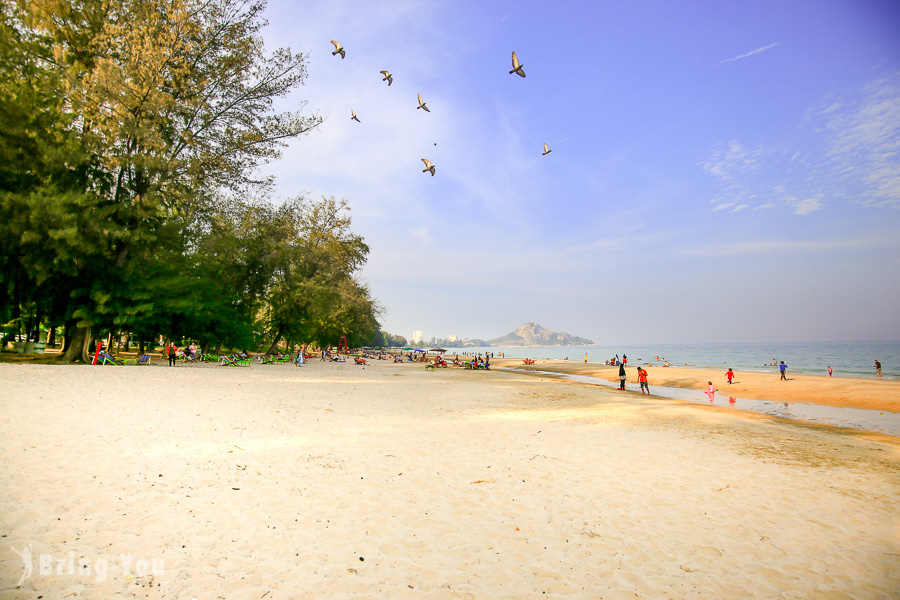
(396, 481)
(845, 392)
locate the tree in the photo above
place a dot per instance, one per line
(161, 99)
(313, 295)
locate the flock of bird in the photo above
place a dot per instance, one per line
(429, 168)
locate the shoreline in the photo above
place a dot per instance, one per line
(842, 392)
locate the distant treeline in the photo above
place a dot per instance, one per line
(130, 136)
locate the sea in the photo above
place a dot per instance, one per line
(847, 359)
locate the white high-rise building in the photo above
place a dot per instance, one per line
(453, 338)
(417, 337)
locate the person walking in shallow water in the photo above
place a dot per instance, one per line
(877, 368)
(830, 372)
(783, 368)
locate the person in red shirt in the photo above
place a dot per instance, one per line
(642, 378)
(729, 375)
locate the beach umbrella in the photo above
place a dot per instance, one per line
(437, 350)
(407, 348)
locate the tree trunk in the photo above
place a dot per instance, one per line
(274, 347)
(141, 346)
(51, 337)
(77, 350)
(68, 328)
(218, 351)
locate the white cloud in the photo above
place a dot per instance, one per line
(423, 235)
(722, 206)
(864, 141)
(733, 159)
(740, 207)
(850, 153)
(805, 206)
(775, 246)
(751, 53)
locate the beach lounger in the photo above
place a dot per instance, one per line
(107, 359)
(143, 360)
(234, 362)
(359, 361)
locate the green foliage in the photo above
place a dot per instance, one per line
(129, 127)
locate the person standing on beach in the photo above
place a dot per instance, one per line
(830, 371)
(783, 368)
(729, 375)
(585, 358)
(711, 391)
(642, 378)
(877, 368)
(621, 376)
(172, 352)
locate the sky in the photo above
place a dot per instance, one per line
(719, 171)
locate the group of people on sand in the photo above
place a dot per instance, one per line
(615, 362)
(172, 352)
(642, 379)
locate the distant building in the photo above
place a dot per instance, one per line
(453, 338)
(417, 337)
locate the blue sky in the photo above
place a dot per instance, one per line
(720, 171)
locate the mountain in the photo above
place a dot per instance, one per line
(532, 334)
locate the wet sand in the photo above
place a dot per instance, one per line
(844, 392)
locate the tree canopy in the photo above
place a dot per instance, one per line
(131, 135)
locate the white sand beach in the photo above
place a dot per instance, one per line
(393, 481)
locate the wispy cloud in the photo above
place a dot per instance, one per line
(776, 246)
(804, 206)
(751, 53)
(850, 154)
(864, 142)
(732, 160)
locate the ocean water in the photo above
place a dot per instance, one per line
(848, 359)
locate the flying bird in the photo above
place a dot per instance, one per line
(428, 166)
(387, 77)
(338, 49)
(422, 105)
(517, 68)
(355, 118)
(546, 150)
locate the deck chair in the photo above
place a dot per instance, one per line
(143, 360)
(234, 362)
(107, 359)
(265, 359)
(359, 361)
